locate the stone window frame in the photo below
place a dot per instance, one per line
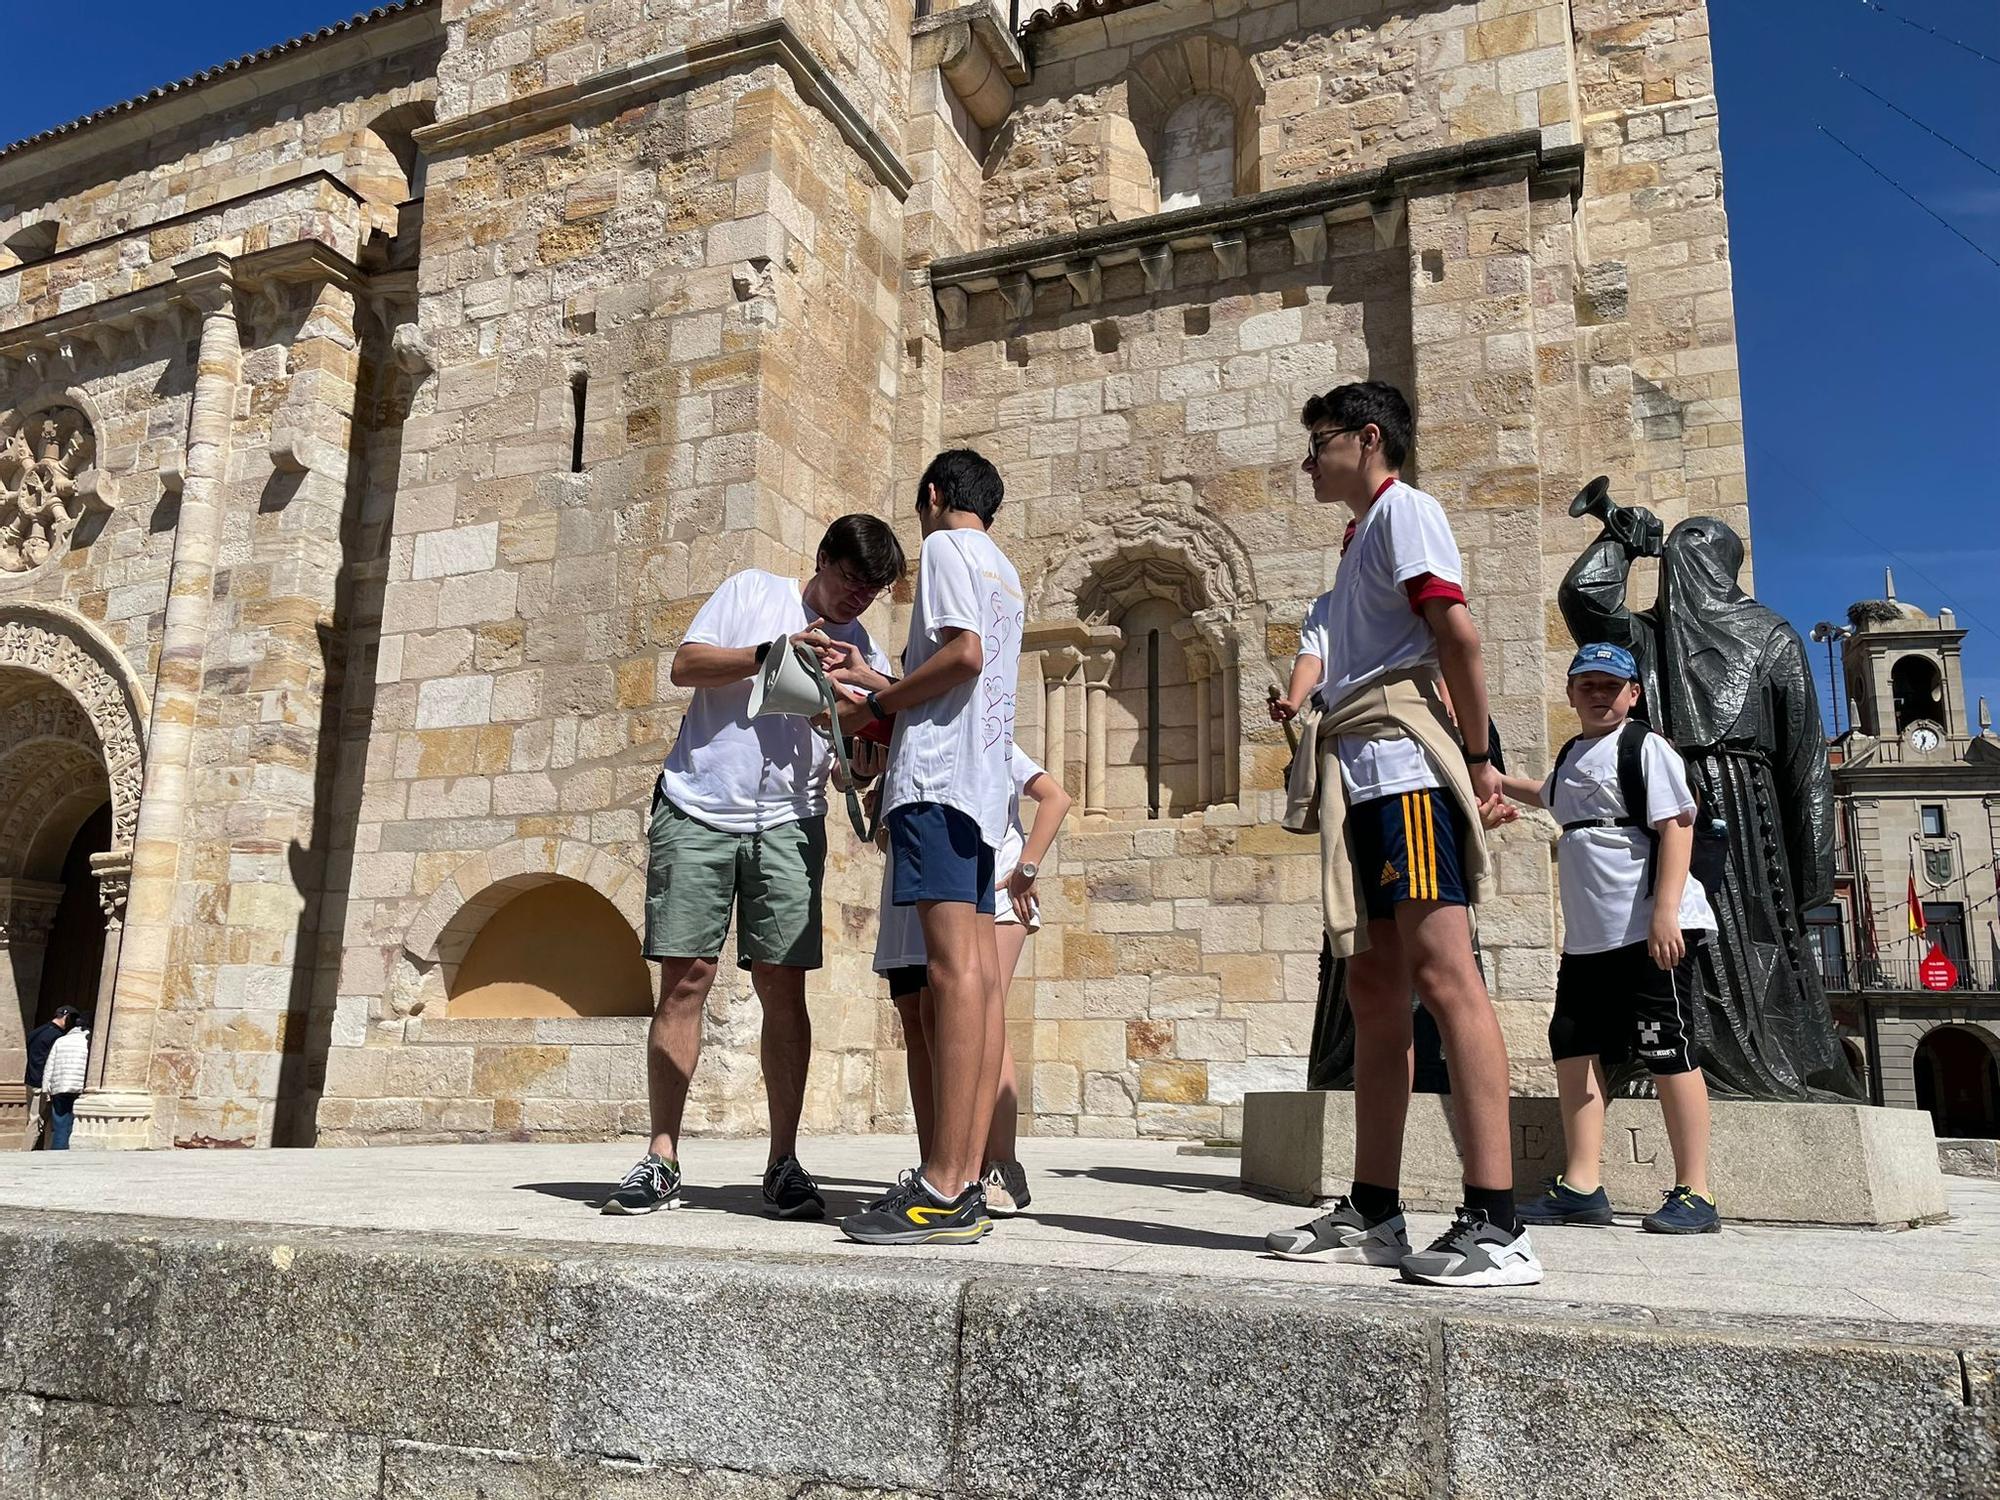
(1177, 71)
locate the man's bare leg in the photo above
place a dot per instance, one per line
(673, 1047)
(917, 1049)
(1008, 940)
(1437, 940)
(784, 1050)
(959, 942)
(1378, 994)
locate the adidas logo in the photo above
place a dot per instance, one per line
(1389, 875)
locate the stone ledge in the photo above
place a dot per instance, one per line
(274, 1361)
(1845, 1164)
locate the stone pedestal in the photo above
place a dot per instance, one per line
(113, 1120)
(1849, 1164)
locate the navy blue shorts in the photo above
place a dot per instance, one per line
(939, 856)
(1406, 848)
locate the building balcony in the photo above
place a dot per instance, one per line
(1900, 976)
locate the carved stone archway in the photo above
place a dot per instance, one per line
(1165, 526)
(62, 646)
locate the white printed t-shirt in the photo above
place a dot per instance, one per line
(1602, 871)
(730, 771)
(952, 749)
(1363, 628)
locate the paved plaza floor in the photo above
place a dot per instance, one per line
(1117, 1206)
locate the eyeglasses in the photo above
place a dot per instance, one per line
(855, 587)
(1318, 440)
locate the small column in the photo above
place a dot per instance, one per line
(1058, 662)
(1098, 662)
(114, 882)
(27, 915)
(119, 1113)
(1231, 789)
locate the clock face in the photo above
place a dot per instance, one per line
(1924, 738)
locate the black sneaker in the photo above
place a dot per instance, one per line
(1475, 1252)
(1563, 1204)
(1684, 1212)
(654, 1183)
(911, 1216)
(790, 1192)
(1006, 1186)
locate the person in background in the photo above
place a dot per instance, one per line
(40, 1042)
(62, 1080)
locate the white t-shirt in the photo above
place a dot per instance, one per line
(899, 941)
(952, 749)
(730, 771)
(1363, 627)
(1602, 871)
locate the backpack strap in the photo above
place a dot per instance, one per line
(1632, 791)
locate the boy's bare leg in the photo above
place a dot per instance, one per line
(673, 1047)
(1580, 1089)
(1008, 940)
(917, 1052)
(1378, 994)
(1684, 1101)
(1437, 939)
(784, 1050)
(959, 941)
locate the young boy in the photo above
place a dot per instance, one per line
(1401, 836)
(1632, 919)
(945, 799)
(899, 958)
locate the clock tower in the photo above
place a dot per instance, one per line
(1904, 681)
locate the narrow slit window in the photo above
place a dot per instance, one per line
(1152, 723)
(578, 387)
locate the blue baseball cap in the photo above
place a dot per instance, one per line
(1602, 656)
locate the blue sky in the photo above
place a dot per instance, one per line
(1870, 336)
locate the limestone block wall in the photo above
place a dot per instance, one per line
(707, 273)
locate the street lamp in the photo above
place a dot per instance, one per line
(1828, 632)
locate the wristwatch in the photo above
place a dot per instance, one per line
(1483, 758)
(875, 707)
(1027, 869)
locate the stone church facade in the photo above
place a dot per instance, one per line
(376, 411)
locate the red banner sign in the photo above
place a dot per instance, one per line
(1937, 972)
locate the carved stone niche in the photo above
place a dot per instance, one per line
(48, 481)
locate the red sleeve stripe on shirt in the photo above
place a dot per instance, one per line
(1428, 586)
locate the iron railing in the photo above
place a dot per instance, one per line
(1901, 974)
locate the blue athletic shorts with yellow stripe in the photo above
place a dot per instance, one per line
(1406, 848)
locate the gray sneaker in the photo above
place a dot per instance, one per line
(1341, 1234)
(1473, 1252)
(1006, 1185)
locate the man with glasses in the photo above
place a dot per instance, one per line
(1401, 804)
(739, 820)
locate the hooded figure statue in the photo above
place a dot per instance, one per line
(1729, 683)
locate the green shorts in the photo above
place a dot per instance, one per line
(695, 873)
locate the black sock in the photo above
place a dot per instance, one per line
(1496, 1203)
(1375, 1203)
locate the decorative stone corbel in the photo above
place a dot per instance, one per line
(1232, 254)
(1308, 239)
(951, 301)
(1388, 220)
(411, 349)
(1157, 263)
(1017, 294)
(1086, 281)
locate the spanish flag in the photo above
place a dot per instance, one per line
(1917, 923)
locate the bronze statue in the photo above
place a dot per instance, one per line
(1728, 681)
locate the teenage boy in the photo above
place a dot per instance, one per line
(899, 958)
(1400, 801)
(1632, 922)
(739, 819)
(945, 798)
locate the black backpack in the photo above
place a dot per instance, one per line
(1631, 791)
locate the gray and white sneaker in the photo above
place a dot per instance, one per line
(1343, 1235)
(1475, 1252)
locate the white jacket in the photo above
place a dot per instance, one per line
(69, 1060)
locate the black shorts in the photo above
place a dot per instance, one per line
(907, 980)
(1406, 848)
(1620, 1005)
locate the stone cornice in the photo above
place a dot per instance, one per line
(771, 42)
(64, 150)
(1301, 211)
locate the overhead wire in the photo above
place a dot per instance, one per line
(1937, 135)
(1977, 248)
(1881, 9)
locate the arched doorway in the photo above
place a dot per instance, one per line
(75, 963)
(1958, 1081)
